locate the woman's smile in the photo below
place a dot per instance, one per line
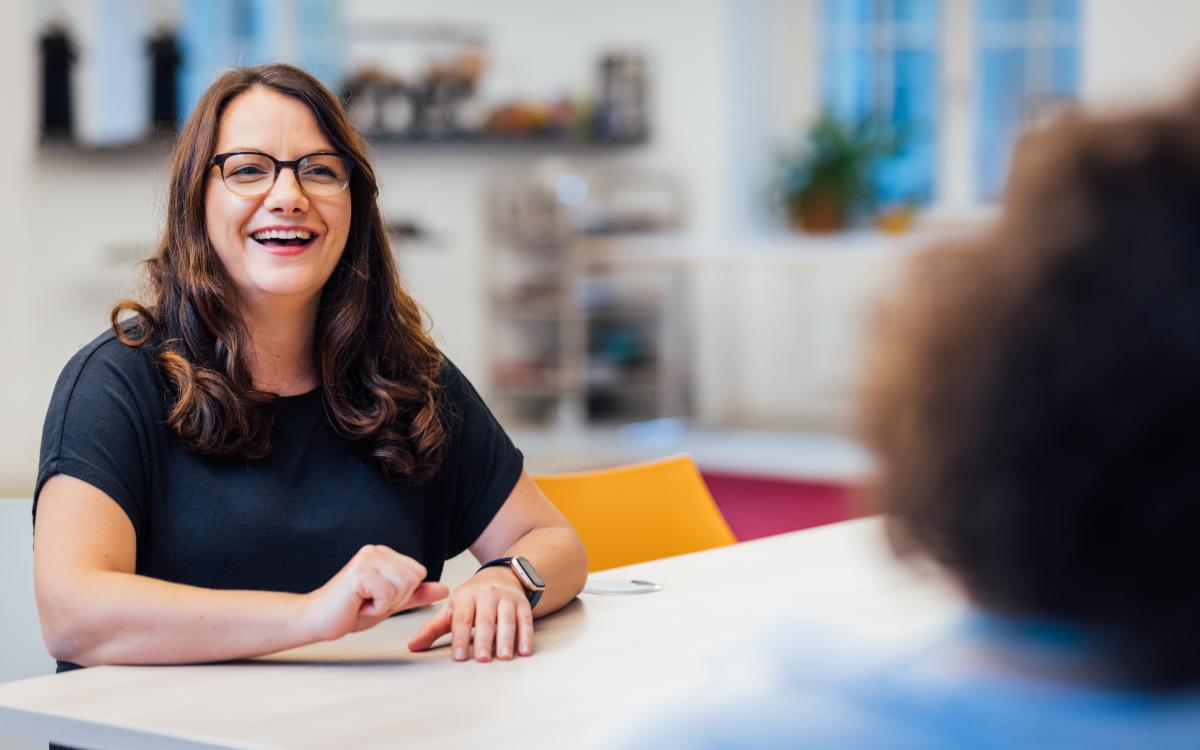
(284, 240)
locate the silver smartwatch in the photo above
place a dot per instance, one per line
(524, 571)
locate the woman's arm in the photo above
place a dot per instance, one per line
(493, 601)
(95, 610)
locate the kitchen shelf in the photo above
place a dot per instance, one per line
(615, 344)
(532, 141)
(162, 145)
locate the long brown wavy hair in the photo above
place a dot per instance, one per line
(377, 365)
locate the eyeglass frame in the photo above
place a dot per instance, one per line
(219, 160)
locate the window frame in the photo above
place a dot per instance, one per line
(957, 191)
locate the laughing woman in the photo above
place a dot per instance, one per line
(272, 452)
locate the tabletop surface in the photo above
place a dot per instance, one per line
(593, 660)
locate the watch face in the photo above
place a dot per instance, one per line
(529, 571)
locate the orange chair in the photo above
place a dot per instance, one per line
(630, 514)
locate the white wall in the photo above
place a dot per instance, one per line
(802, 310)
(21, 650)
(1138, 52)
(20, 383)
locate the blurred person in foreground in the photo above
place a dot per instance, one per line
(1033, 402)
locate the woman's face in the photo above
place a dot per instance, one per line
(268, 272)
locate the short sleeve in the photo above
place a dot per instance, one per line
(96, 425)
(481, 466)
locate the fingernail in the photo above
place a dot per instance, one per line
(460, 653)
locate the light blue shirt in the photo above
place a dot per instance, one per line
(989, 683)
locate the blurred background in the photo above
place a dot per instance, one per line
(639, 228)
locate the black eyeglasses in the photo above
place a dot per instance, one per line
(251, 173)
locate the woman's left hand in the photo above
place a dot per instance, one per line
(494, 604)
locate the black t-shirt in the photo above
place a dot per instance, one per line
(287, 522)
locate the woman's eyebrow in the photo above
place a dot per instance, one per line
(235, 149)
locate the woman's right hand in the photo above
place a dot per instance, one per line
(377, 583)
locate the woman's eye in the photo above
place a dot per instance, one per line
(247, 172)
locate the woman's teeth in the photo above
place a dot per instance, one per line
(282, 236)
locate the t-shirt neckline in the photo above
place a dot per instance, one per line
(299, 399)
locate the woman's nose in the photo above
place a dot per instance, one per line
(286, 195)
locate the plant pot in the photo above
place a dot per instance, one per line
(896, 219)
(817, 213)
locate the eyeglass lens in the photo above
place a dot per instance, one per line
(254, 174)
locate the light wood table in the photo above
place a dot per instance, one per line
(593, 660)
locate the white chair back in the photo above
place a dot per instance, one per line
(22, 653)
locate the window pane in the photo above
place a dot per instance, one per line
(915, 95)
(846, 12)
(245, 19)
(318, 39)
(1028, 66)
(1001, 113)
(1003, 10)
(909, 176)
(220, 34)
(1065, 10)
(1065, 75)
(847, 83)
(881, 61)
(915, 11)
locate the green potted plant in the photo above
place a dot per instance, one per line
(829, 177)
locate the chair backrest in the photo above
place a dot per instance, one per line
(22, 653)
(645, 511)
